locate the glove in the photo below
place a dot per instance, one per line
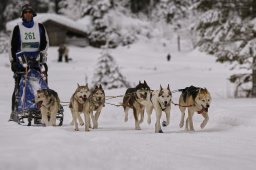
(16, 67)
(42, 57)
(19, 56)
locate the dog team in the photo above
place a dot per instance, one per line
(89, 102)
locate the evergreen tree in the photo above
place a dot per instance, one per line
(226, 29)
(104, 28)
(72, 9)
(170, 10)
(108, 74)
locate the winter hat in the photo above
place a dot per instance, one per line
(27, 7)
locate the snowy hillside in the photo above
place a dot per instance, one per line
(227, 142)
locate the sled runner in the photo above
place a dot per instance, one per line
(33, 79)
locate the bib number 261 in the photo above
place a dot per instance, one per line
(29, 36)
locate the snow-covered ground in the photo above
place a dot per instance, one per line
(228, 141)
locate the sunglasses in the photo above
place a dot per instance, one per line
(27, 12)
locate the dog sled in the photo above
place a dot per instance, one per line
(33, 79)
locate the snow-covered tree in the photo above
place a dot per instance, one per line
(4, 40)
(73, 9)
(106, 27)
(227, 30)
(170, 10)
(107, 73)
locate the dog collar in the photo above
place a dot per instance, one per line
(202, 110)
(163, 109)
(161, 106)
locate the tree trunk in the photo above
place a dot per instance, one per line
(254, 77)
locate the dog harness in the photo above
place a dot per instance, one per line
(163, 109)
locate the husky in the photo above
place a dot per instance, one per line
(136, 98)
(160, 102)
(77, 106)
(50, 105)
(195, 99)
(95, 102)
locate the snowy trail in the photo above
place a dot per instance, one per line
(227, 142)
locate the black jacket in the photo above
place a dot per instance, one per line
(16, 43)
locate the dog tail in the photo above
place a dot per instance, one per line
(178, 90)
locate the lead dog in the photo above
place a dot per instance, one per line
(77, 106)
(160, 102)
(50, 104)
(195, 99)
(135, 99)
(95, 102)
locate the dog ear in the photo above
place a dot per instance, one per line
(100, 86)
(145, 82)
(139, 82)
(86, 85)
(46, 92)
(168, 87)
(78, 85)
(161, 88)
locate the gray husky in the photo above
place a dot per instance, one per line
(77, 106)
(95, 102)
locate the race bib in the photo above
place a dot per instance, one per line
(30, 38)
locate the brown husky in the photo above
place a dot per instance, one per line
(95, 102)
(195, 99)
(77, 106)
(135, 99)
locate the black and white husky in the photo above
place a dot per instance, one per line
(160, 102)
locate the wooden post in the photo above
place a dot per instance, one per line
(178, 41)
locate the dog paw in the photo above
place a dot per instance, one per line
(164, 123)
(137, 128)
(159, 131)
(149, 121)
(76, 129)
(202, 125)
(181, 124)
(192, 130)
